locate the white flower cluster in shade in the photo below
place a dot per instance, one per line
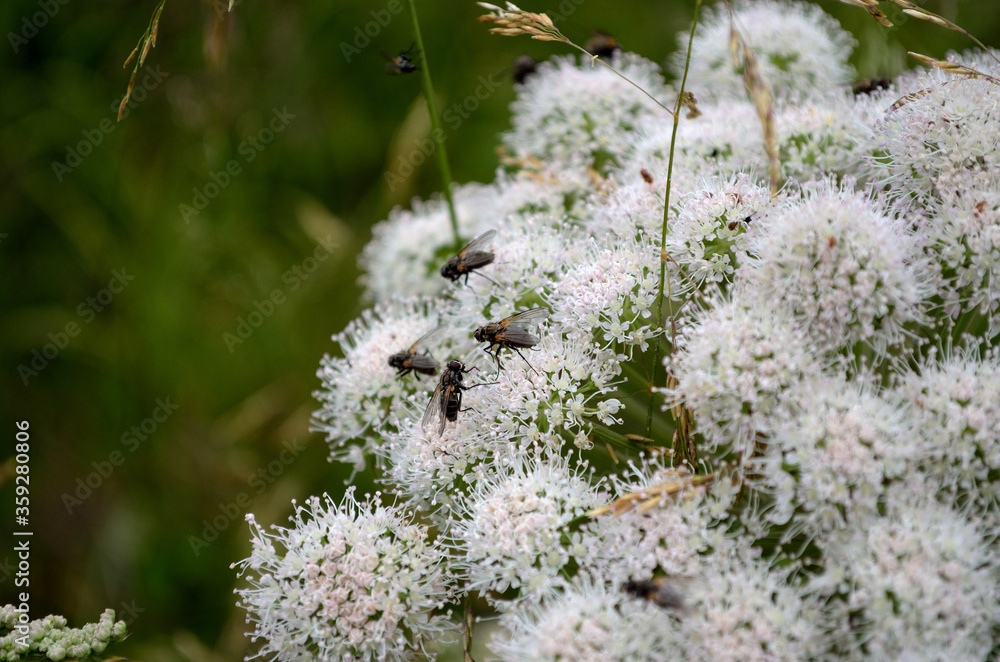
(354, 581)
(830, 361)
(50, 638)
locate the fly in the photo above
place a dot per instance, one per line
(408, 360)
(509, 333)
(658, 590)
(447, 399)
(473, 256)
(402, 63)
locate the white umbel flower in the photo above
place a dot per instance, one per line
(709, 237)
(832, 453)
(733, 369)
(944, 135)
(917, 583)
(799, 47)
(510, 532)
(843, 270)
(575, 114)
(362, 396)
(741, 610)
(356, 581)
(591, 621)
(956, 405)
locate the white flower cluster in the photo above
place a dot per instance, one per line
(755, 427)
(349, 582)
(49, 639)
(941, 163)
(799, 48)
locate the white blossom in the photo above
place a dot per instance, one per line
(916, 583)
(800, 49)
(356, 581)
(576, 114)
(846, 272)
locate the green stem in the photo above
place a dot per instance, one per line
(437, 134)
(663, 231)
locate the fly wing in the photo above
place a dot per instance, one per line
(477, 244)
(515, 336)
(427, 336)
(434, 408)
(526, 317)
(476, 260)
(422, 362)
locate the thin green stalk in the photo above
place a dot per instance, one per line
(597, 59)
(437, 134)
(663, 231)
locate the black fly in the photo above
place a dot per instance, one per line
(871, 85)
(508, 333)
(447, 399)
(657, 590)
(602, 44)
(408, 360)
(472, 257)
(524, 66)
(402, 63)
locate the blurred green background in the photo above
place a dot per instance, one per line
(131, 299)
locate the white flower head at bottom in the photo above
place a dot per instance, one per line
(591, 621)
(510, 532)
(917, 583)
(356, 581)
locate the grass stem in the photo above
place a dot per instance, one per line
(663, 231)
(436, 133)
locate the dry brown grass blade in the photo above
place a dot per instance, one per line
(763, 101)
(953, 67)
(684, 485)
(903, 100)
(514, 21)
(871, 6)
(913, 10)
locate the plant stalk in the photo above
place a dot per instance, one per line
(436, 134)
(663, 230)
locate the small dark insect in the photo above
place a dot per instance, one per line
(648, 178)
(602, 44)
(734, 224)
(402, 63)
(871, 85)
(524, 66)
(470, 258)
(447, 399)
(657, 590)
(508, 333)
(408, 360)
